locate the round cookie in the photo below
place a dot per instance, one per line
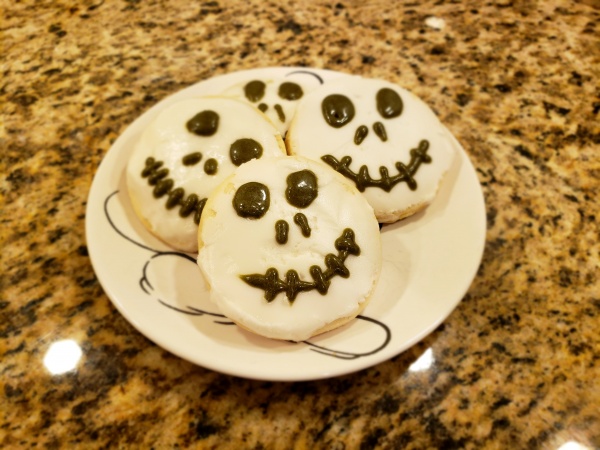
(380, 136)
(184, 153)
(276, 97)
(289, 248)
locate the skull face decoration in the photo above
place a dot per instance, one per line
(289, 247)
(188, 149)
(380, 136)
(276, 98)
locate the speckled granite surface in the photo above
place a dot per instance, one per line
(517, 365)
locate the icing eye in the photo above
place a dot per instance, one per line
(290, 91)
(252, 200)
(301, 188)
(254, 90)
(204, 123)
(243, 150)
(389, 103)
(337, 109)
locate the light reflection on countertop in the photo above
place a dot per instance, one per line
(572, 445)
(424, 362)
(62, 356)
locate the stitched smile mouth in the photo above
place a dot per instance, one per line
(362, 179)
(292, 285)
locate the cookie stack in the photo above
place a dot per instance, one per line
(287, 230)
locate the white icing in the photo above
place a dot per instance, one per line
(167, 139)
(311, 136)
(271, 98)
(231, 246)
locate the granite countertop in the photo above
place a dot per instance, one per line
(516, 365)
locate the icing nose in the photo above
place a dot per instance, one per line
(282, 228)
(362, 132)
(278, 109)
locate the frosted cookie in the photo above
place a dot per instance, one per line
(289, 248)
(379, 135)
(187, 150)
(276, 97)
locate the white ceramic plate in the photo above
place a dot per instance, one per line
(430, 260)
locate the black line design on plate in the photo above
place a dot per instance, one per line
(191, 311)
(144, 282)
(119, 232)
(352, 355)
(220, 319)
(306, 72)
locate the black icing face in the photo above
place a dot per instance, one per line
(252, 201)
(255, 92)
(204, 124)
(339, 111)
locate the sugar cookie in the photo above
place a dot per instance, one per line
(276, 97)
(289, 247)
(187, 150)
(380, 136)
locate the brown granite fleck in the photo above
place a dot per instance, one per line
(517, 363)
